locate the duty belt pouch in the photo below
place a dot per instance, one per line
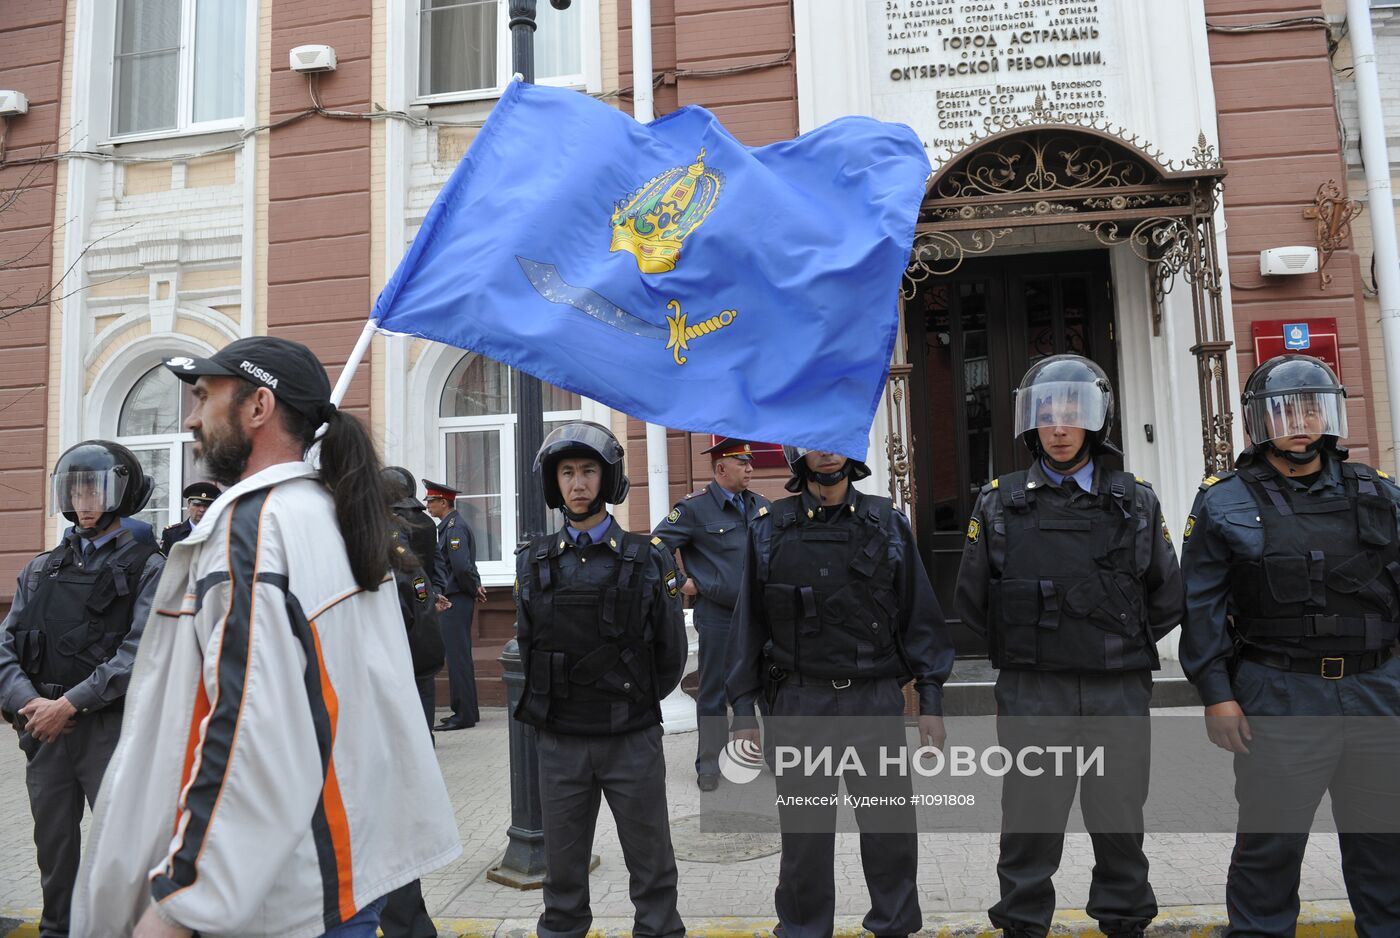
(1289, 578)
(1019, 617)
(534, 705)
(1375, 520)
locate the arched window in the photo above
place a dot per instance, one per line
(476, 423)
(152, 425)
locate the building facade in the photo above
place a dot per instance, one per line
(1106, 174)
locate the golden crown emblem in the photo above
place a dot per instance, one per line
(654, 221)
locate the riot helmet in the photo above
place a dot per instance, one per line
(796, 457)
(583, 439)
(1294, 395)
(98, 474)
(1064, 391)
(399, 485)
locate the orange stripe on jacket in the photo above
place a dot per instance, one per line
(336, 821)
(201, 710)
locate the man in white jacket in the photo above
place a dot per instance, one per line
(272, 706)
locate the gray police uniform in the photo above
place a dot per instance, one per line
(175, 534)
(72, 631)
(710, 530)
(602, 640)
(457, 548)
(1072, 590)
(1293, 608)
(835, 614)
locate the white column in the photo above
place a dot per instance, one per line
(1376, 157)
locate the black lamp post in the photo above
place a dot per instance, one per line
(523, 864)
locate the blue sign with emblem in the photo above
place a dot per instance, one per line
(1295, 336)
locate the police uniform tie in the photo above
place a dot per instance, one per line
(1071, 486)
(583, 540)
(87, 551)
(739, 504)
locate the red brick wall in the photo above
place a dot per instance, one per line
(31, 60)
(319, 181)
(1279, 140)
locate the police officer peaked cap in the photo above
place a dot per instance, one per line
(438, 490)
(732, 448)
(583, 438)
(200, 492)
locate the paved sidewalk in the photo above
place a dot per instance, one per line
(957, 879)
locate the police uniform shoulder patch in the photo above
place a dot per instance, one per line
(671, 586)
(1190, 526)
(675, 515)
(974, 530)
(454, 543)
(1166, 532)
(420, 589)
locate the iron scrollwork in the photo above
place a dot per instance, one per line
(1333, 212)
(939, 253)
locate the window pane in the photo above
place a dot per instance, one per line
(457, 45)
(477, 387)
(558, 41)
(474, 469)
(148, 26)
(559, 399)
(158, 403)
(147, 90)
(145, 86)
(219, 27)
(156, 464)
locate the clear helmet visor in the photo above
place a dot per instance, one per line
(1061, 404)
(88, 490)
(1296, 413)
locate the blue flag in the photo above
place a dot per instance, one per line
(670, 272)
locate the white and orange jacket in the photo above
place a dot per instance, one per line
(275, 773)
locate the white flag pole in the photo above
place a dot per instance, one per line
(352, 364)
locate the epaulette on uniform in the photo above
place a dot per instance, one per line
(1218, 477)
(1142, 481)
(697, 494)
(656, 541)
(762, 510)
(991, 486)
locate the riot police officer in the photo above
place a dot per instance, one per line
(462, 588)
(1069, 571)
(198, 497)
(835, 614)
(709, 529)
(602, 641)
(67, 648)
(418, 576)
(1293, 608)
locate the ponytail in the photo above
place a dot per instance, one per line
(350, 469)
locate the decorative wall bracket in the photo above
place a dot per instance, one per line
(1333, 212)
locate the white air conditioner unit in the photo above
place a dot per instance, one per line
(1284, 262)
(315, 58)
(12, 103)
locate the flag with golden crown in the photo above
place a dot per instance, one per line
(670, 272)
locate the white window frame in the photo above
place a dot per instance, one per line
(589, 80)
(184, 107)
(503, 424)
(174, 443)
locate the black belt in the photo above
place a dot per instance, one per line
(1332, 667)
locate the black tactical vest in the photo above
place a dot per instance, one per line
(1329, 578)
(591, 664)
(830, 594)
(1069, 597)
(77, 617)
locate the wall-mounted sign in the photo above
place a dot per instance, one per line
(952, 68)
(1316, 337)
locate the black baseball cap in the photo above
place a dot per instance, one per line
(289, 369)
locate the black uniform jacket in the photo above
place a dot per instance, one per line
(1223, 530)
(919, 623)
(664, 621)
(984, 552)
